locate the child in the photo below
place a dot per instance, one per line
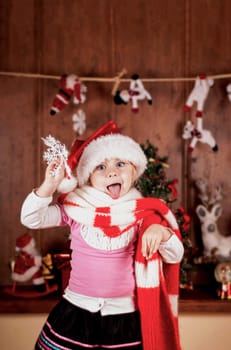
(120, 247)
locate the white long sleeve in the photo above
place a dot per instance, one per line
(172, 251)
(37, 213)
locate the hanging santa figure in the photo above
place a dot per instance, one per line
(136, 93)
(28, 263)
(70, 86)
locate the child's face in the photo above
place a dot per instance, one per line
(114, 177)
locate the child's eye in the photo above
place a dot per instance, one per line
(120, 164)
(100, 167)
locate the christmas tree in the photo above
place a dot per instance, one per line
(154, 183)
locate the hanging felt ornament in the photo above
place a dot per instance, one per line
(198, 135)
(79, 122)
(83, 95)
(136, 93)
(70, 86)
(199, 94)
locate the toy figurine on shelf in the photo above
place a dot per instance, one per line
(28, 266)
(223, 276)
(215, 244)
(62, 263)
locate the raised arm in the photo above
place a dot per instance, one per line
(36, 210)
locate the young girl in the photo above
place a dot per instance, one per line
(120, 294)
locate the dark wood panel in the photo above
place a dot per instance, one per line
(209, 36)
(18, 159)
(17, 36)
(76, 38)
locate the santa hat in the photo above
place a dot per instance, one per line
(23, 240)
(106, 143)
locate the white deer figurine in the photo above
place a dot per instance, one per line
(198, 135)
(214, 243)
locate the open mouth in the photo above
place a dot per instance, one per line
(114, 190)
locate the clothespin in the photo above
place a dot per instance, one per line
(117, 81)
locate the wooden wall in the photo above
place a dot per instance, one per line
(97, 38)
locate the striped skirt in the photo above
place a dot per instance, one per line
(69, 327)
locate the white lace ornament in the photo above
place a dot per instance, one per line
(79, 122)
(55, 150)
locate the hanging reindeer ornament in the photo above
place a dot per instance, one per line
(134, 94)
(198, 134)
(199, 94)
(214, 243)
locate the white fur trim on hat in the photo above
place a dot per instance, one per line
(67, 185)
(107, 147)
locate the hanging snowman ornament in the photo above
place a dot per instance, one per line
(134, 94)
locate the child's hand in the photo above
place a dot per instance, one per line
(152, 237)
(52, 178)
(55, 171)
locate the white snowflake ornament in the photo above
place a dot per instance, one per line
(79, 122)
(56, 150)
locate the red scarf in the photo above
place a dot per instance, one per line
(157, 298)
(157, 283)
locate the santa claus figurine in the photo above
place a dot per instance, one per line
(71, 86)
(28, 263)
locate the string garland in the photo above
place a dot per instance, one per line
(109, 80)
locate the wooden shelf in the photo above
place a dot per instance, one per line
(202, 299)
(204, 306)
(196, 301)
